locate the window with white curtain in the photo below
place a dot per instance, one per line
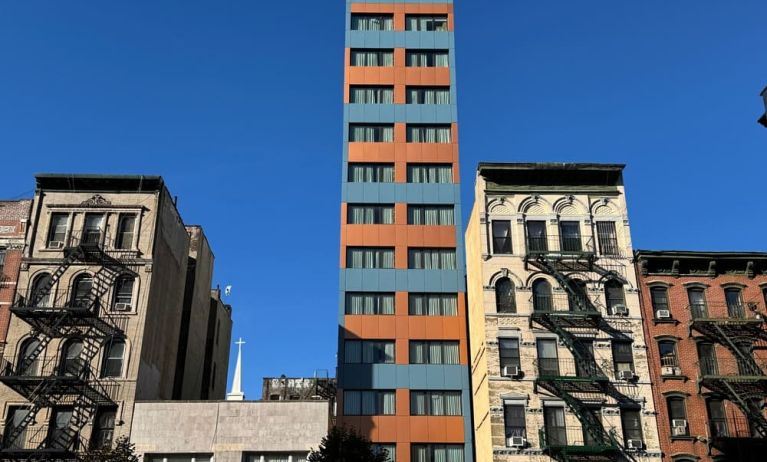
(426, 58)
(278, 457)
(371, 173)
(369, 351)
(436, 453)
(426, 22)
(435, 403)
(178, 457)
(371, 95)
(441, 215)
(370, 214)
(434, 352)
(427, 95)
(373, 58)
(369, 402)
(366, 133)
(432, 304)
(370, 257)
(370, 303)
(376, 21)
(429, 173)
(429, 133)
(390, 448)
(441, 259)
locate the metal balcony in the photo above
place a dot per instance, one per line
(567, 443)
(725, 313)
(570, 375)
(560, 247)
(37, 443)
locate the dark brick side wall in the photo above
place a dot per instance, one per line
(13, 222)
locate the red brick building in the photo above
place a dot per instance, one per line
(13, 225)
(707, 350)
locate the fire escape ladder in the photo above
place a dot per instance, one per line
(83, 411)
(71, 256)
(39, 399)
(589, 422)
(755, 416)
(745, 361)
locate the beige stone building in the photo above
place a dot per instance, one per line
(558, 356)
(99, 317)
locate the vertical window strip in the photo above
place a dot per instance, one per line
(436, 453)
(427, 58)
(434, 352)
(371, 95)
(370, 258)
(370, 214)
(428, 95)
(369, 402)
(372, 58)
(368, 303)
(427, 304)
(371, 133)
(371, 173)
(435, 403)
(429, 134)
(373, 22)
(441, 259)
(426, 22)
(430, 173)
(431, 215)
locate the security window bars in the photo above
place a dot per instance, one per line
(371, 173)
(508, 352)
(428, 95)
(371, 95)
(427, 58)
(623, 358)
(368, 352)
(426, 22)
(608, 238)
(667, 352)
(429, 173)
(435, 403)
(57, 233)
(380, 22)
(372, 58)
(370, 214)
(369, 303)
(514, 421)
(125, 231)
(436, 453)
(369, 402)
(370, 257)
(432, 304)
(501, 236)
(433, 259)
(434, 352)
(429, 134)
(364, 133)
(440, 215)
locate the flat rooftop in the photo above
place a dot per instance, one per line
(98, 182)
(551, 176)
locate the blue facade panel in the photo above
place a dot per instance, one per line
(411, 193)
(412, 376)
(402, 280)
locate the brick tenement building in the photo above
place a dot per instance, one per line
(706, 334)
(13, 225)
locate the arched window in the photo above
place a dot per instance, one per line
(28, 362)
(123, 298)
(114, 354)
(504, 296)
(542, 295)
(614, 295)
(81, 291)
(40, 295)
(577, 299)
(71, 365)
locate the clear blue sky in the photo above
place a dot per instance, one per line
(238, 105)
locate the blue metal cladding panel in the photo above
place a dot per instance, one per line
(402, 280)
(405, 113)
(409, 193)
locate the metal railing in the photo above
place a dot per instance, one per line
(720, 311)
(36, 438)
(559, 303)
(45, 367)
(562, 245)
(732, 427)
(65, 299)
(565, 368)
(732, 368)
(578, 438)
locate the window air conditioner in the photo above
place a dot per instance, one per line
(679, 427)
(56, 245)
(634, 444)
(663, 314)
(620, 310)
(626, 375)
(123, 307)
(510, 371)
(516, 441)
(670, 370)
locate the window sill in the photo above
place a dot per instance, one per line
(683, 378)
(683, 438)
(665, 321)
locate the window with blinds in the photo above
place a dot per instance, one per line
(427, 95)
(379, 22)
(430, 173)
(436, 453)
(370, 257)
(437, 259)
(427, 58)
(426, 22)
(369, 303)
(371, 173)
(370, 214)
(435, 403)
(366, 133)
(369, 351)
(514, 420)
(372, 58)
(434, 352)
(429, 134)
(433, 215)
(423, 304)
(369, 402)
(371, 95)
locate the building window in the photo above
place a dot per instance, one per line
(2, 262)
(14, 417)
(187, 458)
(623, 358)
(426, 22)
(103, 429)
(29, 358)
(697, 298)
(537, 240)
(427, 95)
(435, 403)
(372, 58)
(427, 58)
(124, 293)
(570, 236)
(40, 295)
(514, 421)
(608, 238)
(125, 231)
(93, 229)
(667, 351)
(432, 304)
(501, 236)
(707, 359)
(81, 292)
(548, 360)
(504, 296)
(434, 352)
(677, 415)
(370, 214)
(542, 298)
(371, 95)
(369, 352)
(371, 173)
(430, 173)
(436, 453)
(58, 425)
(369, 402)
(632, 425)
(57, 233)
(366, 133)
(113, 359)
(555, 433)
(717, 418)
(378, 22)
(431, 215)
(370, 303)
(734, 299)
(71, 365)
(614, 296)
(370, 257)
(659, 299)
(508, 353)
(390, 448)
(429, 134)
(435, 259)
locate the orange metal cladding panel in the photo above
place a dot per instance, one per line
(418, 327)
(400, 236)
(401, 429)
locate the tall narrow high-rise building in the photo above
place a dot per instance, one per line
(403, 371)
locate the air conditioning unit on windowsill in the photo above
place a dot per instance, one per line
(634, 444)
(516, 441)
(123, 307)
(670, 370)
(663, 314)
(510, 371)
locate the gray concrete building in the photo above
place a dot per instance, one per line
(229, 431)
(98, 319)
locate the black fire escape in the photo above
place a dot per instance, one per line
(741, 379)
(574, 317)
(66, 381)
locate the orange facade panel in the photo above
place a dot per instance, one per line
(407, 429)
(397, 75)
(399, 10)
